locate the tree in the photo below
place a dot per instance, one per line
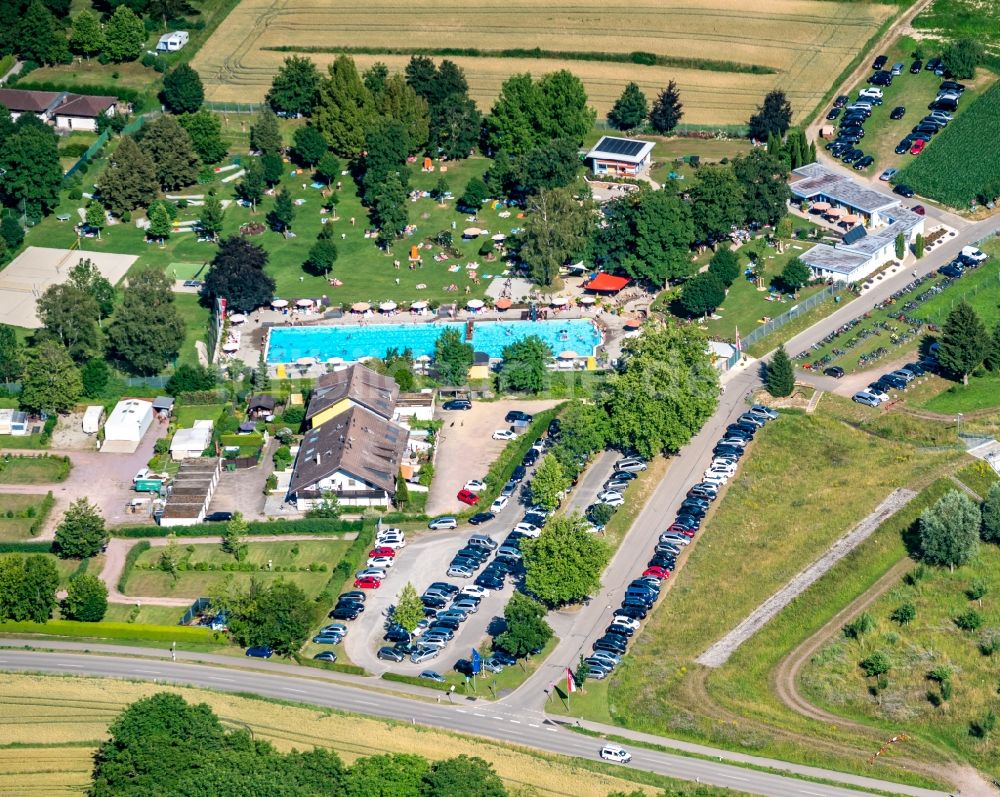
(11, 232)
(310, 146)
(278, 615)
(524, 365)
(963, 342)
(564, 564)
(28, 588)
(398, 101)
(990, 511)
(375, 78)
(190, 379)
(566, 113)
(293, 90)
(69, 314)
(281, 216)
(30, 159)
(39, 36)
(389, 206)
(725, 265)
(328, 168)
(548, 483)
(212, 217)
(878, 663)
(147, 330)
(717, 203)
(774, 115)
(265, 135)
(949, 530)
(630, 110)
(555, 232)
(474, 195)
(385, 155)
(582, 671)
(463, 776)
(900, 246)
(780, 376)
(344, 109)
(409, 608)
(183, 91)
(702, 294)
(795, 274)
(205, 130)
(129, 181)
(10, 354)
(237, 273)
(253, 184)
(95, 376)
(525, 628)
(86, 599)
(96, 217)
(904, 614)
(172, 151)
(396, 774)
(665, 391)
(452, 358)
(50, 381)
(160, 225)
(234, 536)
(764, 179)
(124, 35)
(667, 111)
(322, 256)
(992, 357)
(82, 532)
(584, 430)
(514, 123)
(961, 58)
(87, 36)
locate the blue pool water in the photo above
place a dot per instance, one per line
(288, 344)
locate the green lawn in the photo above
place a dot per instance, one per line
(147, 615)
(186, 414)
(18, 513)
(367, 273)
(980, 288)
(978, 476)
(197, 583)
(913, 92)
(33, 470)
(195, 318)
(808, 480)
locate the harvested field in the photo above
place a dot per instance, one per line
(56, 722)
(805, 42)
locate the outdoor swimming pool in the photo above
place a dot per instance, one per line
(289, 344)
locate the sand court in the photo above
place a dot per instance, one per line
(37, 267)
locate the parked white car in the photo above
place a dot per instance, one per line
(504, 434)
(474, 485)
(380, 561)
(475, 591)
(611, 498)
(499, 503)
(527, 529)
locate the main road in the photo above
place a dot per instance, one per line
(472, 718)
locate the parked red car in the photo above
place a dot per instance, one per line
(367, 583)
(918, 146)
(681, 529)
(656, 572)
(380, 550)
(468, 497)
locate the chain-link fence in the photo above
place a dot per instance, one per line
(802, 307)
(99, 143)
(234, 107)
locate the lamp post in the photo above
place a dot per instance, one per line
(959, 432)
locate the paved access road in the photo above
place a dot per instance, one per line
(473, 718)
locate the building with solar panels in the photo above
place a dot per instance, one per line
(620, 157)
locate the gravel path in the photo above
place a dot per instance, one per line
(719, 653)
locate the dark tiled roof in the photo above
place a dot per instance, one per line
(21, 101)
(359, 384)
(84, 105)
(365, 446)
(262, 401)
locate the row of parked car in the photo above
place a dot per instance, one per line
(642, 593)
(878, 391)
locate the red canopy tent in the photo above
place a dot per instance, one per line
(606, 283)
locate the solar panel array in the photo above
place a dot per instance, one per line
(620, 146)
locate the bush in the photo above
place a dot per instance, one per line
(969, 621)
(859, 626)
(410, 679)
(131, 558)
(293, 416)
(503, 466)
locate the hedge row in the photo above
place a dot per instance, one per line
(409, 679)
(344, 571)
(349, 669)
(43, 512)
(153, 633)
(25, 547)
(136, 551)
(257, 527)
(512, 455)
(107, 89)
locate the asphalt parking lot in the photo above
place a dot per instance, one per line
(465, 448)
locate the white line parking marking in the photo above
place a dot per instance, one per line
(498, 718)
(551, 729)
(78, 666)
(299, 691)
(516, 722)
(461, 711)
(532, 725)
